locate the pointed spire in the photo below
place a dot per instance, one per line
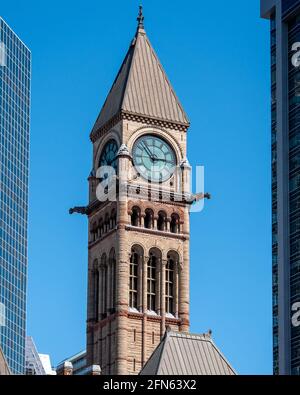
(140, 18)
(141, 88)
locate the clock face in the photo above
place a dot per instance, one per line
(109, 155)
(153, 158)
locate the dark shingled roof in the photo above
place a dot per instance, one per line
(142, 87)
(187, 354)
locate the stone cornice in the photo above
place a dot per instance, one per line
(91, 324)
(125, 115)
(155, 232)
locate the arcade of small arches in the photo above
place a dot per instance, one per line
(160, 221)
(147, 219)
(104, 278)
(153, 283)
(101, 227)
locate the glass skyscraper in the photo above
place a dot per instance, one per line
(284, 18)
(15, 69)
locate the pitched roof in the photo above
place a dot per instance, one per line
(142, 87)
(187, 354)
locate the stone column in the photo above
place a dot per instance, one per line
(108, 290)
(158, 288)
(176, 293)
(122, 271)
(184, 278)
(100, 299)
(129, 217)
(140, 284)
(163, 298)
(90, 313)
(168, 221)
(144, 329)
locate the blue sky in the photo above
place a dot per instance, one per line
(216, 55)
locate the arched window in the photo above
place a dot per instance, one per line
(161, 221)
(96, 278)
(174, 225)
(94, 231)
(107, 224)
(170, 285)
(133, 279)
(170, 282)
(104, 284)
(114, 218)
(148, 218)
(101, 226)
(113, 288)
(152, 266)
(136, 216)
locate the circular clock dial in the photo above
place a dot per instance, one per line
(153, 158)
(109, 155)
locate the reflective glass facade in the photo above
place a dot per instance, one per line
(274, 196)
(15, 69)
(294, 186)
(285, 92)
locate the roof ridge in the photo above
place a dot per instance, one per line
(164, 340)
(133, 43)
(114, 83)
(187, 334)
(166, 77)
(223, 357)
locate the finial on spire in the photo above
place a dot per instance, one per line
(140, 18)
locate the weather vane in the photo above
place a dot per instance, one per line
(140, 17)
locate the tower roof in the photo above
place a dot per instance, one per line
(142, 87)
(187, 354)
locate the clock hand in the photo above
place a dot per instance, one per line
(163, 160)
(148, 151)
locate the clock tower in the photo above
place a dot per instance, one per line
(138, 260)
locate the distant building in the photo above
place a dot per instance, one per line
(46, 362)
(78, 362)
(77, 366)
(15, 76)
(284, 16)
(180, 354)
(36, 364)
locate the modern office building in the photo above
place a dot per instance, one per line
(77, 363)
(284, 16)
(15, 69)
(33, 363)
(36, 364)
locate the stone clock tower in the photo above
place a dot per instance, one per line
(138, 269)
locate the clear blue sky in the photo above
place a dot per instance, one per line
(216, 55)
